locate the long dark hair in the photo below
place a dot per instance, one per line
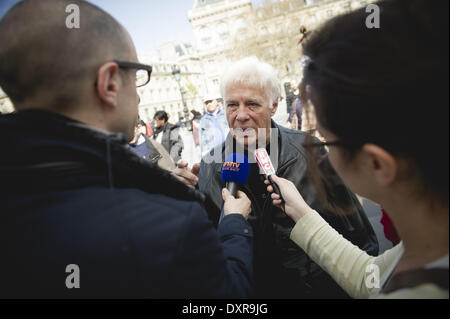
(387, 85)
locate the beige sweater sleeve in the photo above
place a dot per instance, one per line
(349, 266)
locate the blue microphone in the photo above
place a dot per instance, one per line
(235, 171)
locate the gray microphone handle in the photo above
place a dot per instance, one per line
(232, 188)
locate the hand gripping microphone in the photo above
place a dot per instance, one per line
(265, 164)
(235, 171)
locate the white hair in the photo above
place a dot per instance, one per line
(253, 72)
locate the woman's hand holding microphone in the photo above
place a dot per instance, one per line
(294, 204)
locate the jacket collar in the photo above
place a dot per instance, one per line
(219, 111)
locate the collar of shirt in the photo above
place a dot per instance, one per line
(212, 114)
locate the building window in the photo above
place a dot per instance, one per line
(259, 13)
(289, 67)
(222, 30)
(205, 36)
(276, 9)
(264, 31)
(211, 63)
(241, 26)
(280, 28)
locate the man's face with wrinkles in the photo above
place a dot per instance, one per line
(248, 109)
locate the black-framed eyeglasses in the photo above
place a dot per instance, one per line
(309, 146)
(143, 71)
(321, 144)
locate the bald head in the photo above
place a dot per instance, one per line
(42, 61)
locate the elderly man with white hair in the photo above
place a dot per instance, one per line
(251, 90)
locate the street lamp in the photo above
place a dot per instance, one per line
(177, 75)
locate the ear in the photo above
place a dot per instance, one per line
(108, 84)
(274, 108)
(384, 166)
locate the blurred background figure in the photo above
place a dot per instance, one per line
(295, 113)
(168, 135)
(213, 125)
(291, 91)
(149, 149)
(195, 125)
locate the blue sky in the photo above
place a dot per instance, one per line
(150, 22)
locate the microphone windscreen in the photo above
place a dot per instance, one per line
(264, 162)
(236, 168)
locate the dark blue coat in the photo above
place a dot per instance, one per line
(74, 195)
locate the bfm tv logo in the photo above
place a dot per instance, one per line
(230, 166)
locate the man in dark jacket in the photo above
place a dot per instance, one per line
(168, 135)
(81, 215)
(282, 269)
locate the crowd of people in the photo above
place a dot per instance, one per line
(85, 182)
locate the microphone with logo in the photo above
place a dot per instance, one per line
(265, 164)
(235, 171)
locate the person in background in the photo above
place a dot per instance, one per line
(196, 117)
(168, 135)
(291, 89)
(213, 126)
(295, 114)
(355, 90)
(149, 149)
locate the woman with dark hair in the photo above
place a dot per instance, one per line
(381, 100)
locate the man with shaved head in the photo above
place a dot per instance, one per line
(81, 215)
(46, 65)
